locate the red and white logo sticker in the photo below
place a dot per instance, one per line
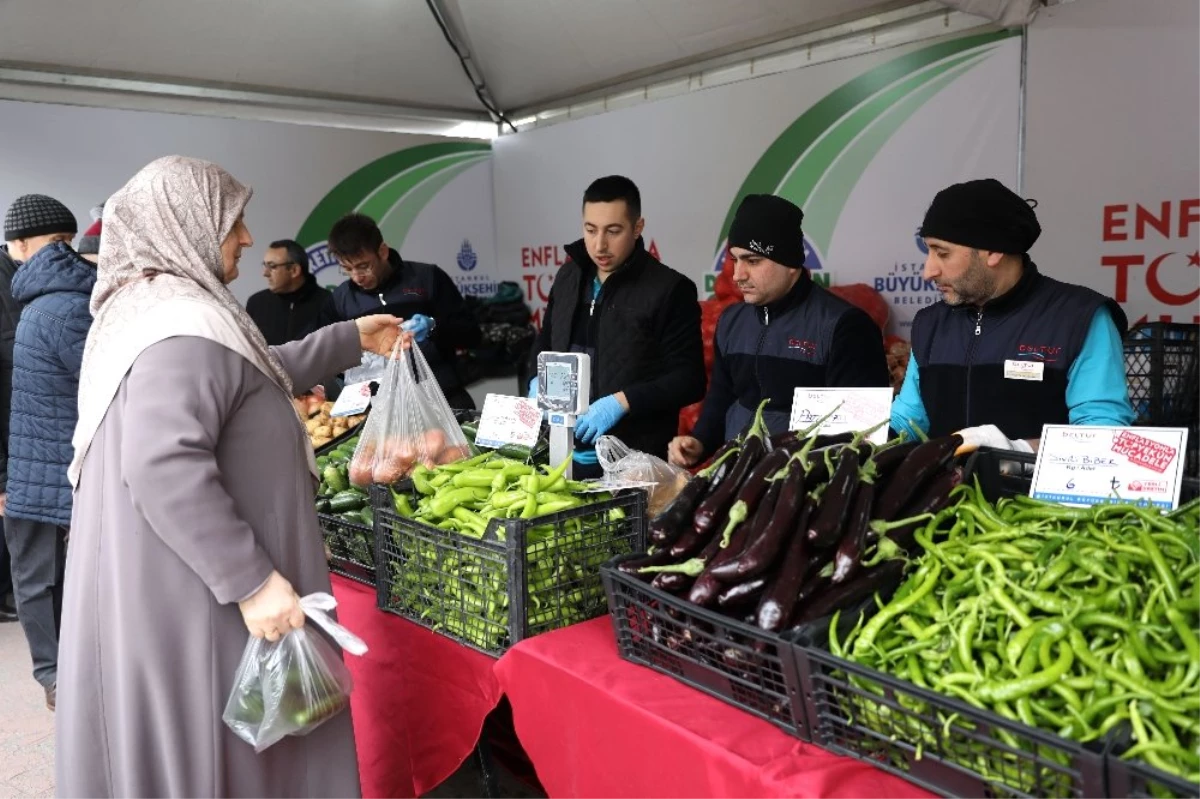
(1144, 452)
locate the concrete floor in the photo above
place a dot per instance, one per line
(27, 735)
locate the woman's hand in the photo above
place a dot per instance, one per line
(377, 333)
(273, 610)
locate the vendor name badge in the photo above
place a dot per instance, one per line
(1024, 370)
(354, 399)
(857, 409)
(508, 420)
(1079, 465)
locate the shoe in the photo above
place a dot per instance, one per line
(7, 613)
(51, 694)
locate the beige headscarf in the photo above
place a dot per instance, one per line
(159, 276)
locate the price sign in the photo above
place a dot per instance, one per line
(857, 409)
(508, 420)
(354, 399)
(1080, 465)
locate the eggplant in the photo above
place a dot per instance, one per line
(827, 522)
(671, 582)
(790, 437)
(850, 593)
(764, 546)
(669, 525)
(705, 589)
(779, 599)
(741, 593)
(716, 503)
(888, 460)
(631, 566)
(854, 540)
(920, 465)
(691, 541)
(935, 497)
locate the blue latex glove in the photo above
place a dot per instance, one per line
(419, 325)
(599, 419)
(585, 457)
(532, 389)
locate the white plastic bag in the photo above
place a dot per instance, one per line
(410, 423)
(370, 367)
(622, 464)
(294, 685)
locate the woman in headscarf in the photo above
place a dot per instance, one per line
(193, 518)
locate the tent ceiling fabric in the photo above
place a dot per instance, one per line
(530, 52)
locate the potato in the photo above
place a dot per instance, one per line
(362, 465)
(431, 444)
(324, 431)
(320, 442)
(311, 426)
(326, 407)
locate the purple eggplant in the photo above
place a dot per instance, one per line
(705, 589)
(881, 577)
(764, 546)
(827, 522)
(668, 526)
(849, 553)
(922, 463)
(888, 460)
(777, 602)
(739, 594)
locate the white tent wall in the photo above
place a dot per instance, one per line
(81, 155)
(861, 144)
(1112, 152)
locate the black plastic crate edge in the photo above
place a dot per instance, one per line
(799, 727)
(329, 525)
(1089, 763)
(1132, 778)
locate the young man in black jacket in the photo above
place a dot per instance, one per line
(286, 310)
(638, 320)
(788, 332)
(422, 294)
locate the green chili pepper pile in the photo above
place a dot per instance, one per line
(459, 583)
(1073, 620)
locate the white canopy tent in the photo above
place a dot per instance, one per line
(395, 64)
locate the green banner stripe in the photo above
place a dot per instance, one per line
(399, 219)
(380, 201)
(807, 172)
(809, 126)
(826, 203)
(347, 195)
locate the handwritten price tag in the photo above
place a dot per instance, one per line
(860, 409)
(508, 420)
(354, 399)
(1085, 465)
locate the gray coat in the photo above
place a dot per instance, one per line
(194, 488)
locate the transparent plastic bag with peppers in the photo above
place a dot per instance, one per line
(294, 685)
(411, 423)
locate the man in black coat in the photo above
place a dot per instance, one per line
(638, 320)
(287, 309)
(421, 294)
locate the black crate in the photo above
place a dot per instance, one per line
(524, 577)
(1162, 369)
(736, 662)
(1137, 780)
(935, 741)
(1004, 473)
(350, 547)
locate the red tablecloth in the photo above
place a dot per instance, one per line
(419, 698)
(595, 725)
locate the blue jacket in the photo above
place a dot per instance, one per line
(55, 286)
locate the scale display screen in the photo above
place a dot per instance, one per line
(558, 380)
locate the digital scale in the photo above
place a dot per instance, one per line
(564, 392)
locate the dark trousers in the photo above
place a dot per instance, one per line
(39, 556)
(6, 584)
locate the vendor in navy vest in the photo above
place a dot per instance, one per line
(1007, 349)
(422, 294)
(638, 320)
(788, 332)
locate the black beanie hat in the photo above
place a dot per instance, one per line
(37, 215)
(769, 226)
(983, 214)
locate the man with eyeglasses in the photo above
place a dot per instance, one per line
(287, 309)
(422, 294)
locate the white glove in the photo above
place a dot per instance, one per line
(988, 435)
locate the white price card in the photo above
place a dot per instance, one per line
(508, 420)
(1080, 465)
(354, 399)
(860, 409)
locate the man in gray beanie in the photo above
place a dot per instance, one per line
(788, 332)
(40, 383)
